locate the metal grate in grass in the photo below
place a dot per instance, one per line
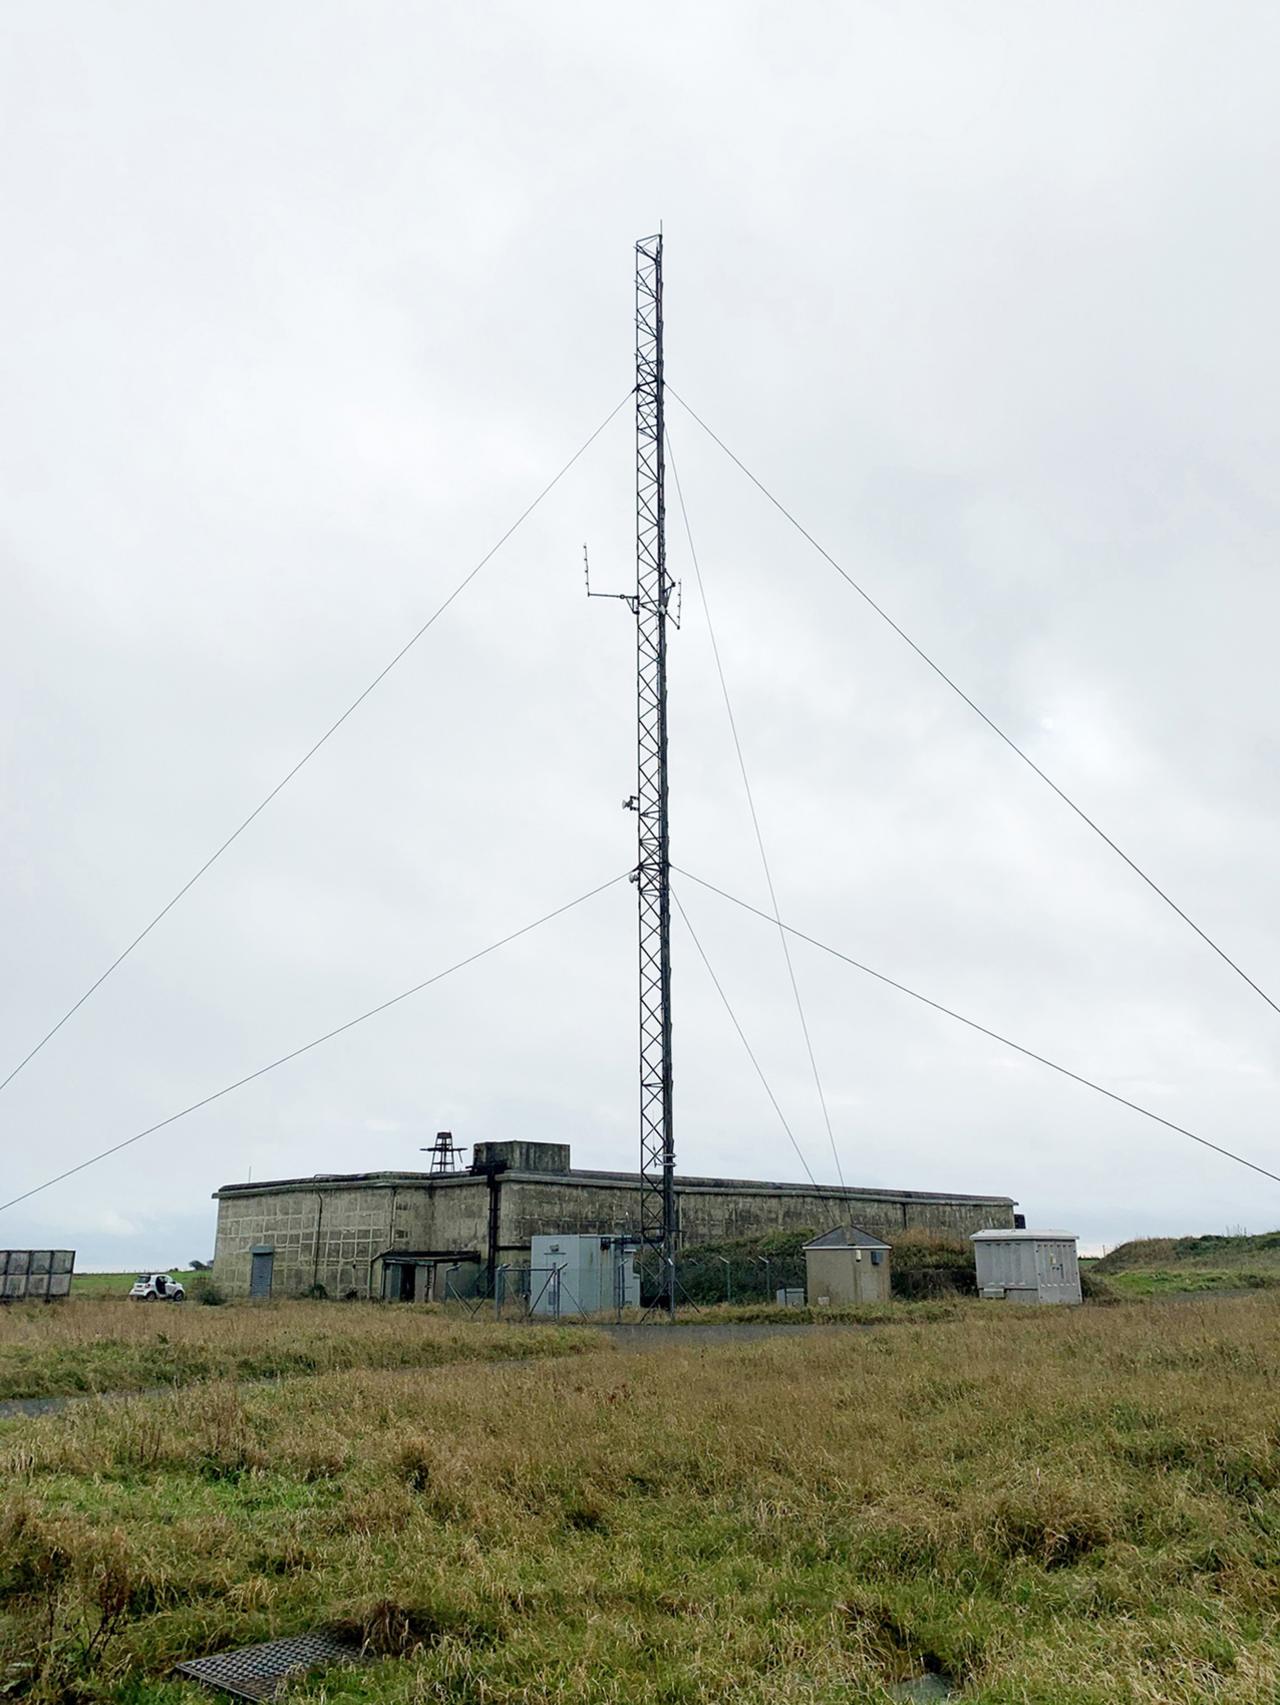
(259, 1672)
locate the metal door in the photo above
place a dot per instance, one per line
(1051, 1272)
(260, 1273)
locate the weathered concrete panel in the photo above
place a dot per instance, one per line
(319, 1236)
(523, 1156)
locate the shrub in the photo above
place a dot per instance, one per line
(203, 1289)
(927, 1264)
(1094, 1288)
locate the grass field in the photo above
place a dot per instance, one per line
(118, 1284)
(1188, 1266)
(100, 1346)
(1066, 1507)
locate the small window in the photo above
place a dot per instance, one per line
(877, 1256)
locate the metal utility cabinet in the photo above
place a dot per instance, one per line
(583, 1275)
(35, 1275)
(1027, 1266)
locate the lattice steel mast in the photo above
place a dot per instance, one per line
(653, 869)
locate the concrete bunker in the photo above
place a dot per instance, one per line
(396, 1234)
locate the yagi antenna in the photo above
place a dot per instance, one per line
(627, 598)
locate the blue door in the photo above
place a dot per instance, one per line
(260, 1273)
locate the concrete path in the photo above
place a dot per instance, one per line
(18, 1408)
(14, 1408)
(654, 1336)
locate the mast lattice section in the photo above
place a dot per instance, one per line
(653, 869)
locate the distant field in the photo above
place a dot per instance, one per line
(118, 1284)
(1046, 1507)
(1172, 1266)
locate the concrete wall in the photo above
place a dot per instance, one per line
(329, 1231)
(320, 1234)
(523, 1156)
(725, 1210)
(718, 1211)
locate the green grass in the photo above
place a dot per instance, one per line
(1055, 1507)
(98, 1346)
(119, 1284)
(1259, 1253)
(1154, 1267)
(1187, 1281)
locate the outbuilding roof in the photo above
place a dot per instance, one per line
(1022, 1236)
(847, 1237)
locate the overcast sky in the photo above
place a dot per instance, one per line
(302, 304)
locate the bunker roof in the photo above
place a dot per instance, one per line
(618, 1180)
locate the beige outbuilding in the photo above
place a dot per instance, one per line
(846, 1265)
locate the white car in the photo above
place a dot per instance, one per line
(157, 1287)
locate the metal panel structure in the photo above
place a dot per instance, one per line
(652, 873)
(593, 1274)
(260, 1672)
(1027, 1266)
(35, 1275)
